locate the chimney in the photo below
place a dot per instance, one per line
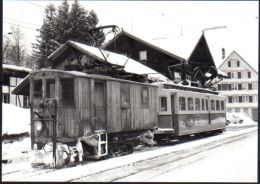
(223, 53)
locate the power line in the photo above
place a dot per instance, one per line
(34, 4)
(19, 25)
(15, 20)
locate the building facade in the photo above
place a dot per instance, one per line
(241, 87)
(11, 77)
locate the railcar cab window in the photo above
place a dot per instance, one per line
(197, 104)
(125, 95)
(163, 103)
(145, 97)
(217, 105)
(202, 104)
(37, 88)
(67, 92)
(207, 105)
(50, 88)
(182, 103)
(212, 105)
(222, 105)
(190, 104)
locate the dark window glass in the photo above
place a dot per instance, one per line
(239, 86)
(250, 99)
(249, 74)
(67, 92)
(207, 105)
(230, 99)
(5, 98)
(182, 103)
(212, 105)
(50, 88)
(163, 103)
(203, 104)
(222, 105)
(239, 75)
(217, 105)
(229, 64)
(240, 99)
(37, 88)
(249, 86)
(145, 97)
(238, 63)
(125, 95)
(219, 87)
(229, 75)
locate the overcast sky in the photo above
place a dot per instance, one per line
(163, 23)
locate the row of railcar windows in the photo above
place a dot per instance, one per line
(200, 104)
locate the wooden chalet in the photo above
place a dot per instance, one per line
(146, 53)
(75, 56)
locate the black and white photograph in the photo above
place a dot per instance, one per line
(130, 91)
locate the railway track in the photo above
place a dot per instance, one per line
(111, 173)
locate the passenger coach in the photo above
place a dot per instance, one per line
(189, 110)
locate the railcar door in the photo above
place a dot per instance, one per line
(100, 105)
(173, 110)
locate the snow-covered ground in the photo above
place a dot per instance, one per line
(15, 120)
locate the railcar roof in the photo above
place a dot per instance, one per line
(20, 89)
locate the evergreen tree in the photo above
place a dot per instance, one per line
(64, 24)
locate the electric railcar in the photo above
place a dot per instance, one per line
(189, 110)
(110, 114)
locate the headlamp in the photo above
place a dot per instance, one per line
(38, 125)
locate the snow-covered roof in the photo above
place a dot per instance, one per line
(147, 42)
(129, 64)
(17, 68)
(232, 53)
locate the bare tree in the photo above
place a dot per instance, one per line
(14, 48)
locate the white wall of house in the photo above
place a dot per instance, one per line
(242, 88)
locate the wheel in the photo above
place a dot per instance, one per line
(227, 122)
(241, 121)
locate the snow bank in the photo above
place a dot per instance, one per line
(15, 120)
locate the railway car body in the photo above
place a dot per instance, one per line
(189, 110)
(67, 105)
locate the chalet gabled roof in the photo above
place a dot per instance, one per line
(201, 54)
(126, 34)
(128, 64)
(232, 53)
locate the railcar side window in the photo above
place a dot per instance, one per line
(197, 104)
(207, 105)
(217, 105)
(163, 103)
(202, 104)
(145, 97)
(125, 95)
(222, 105)
(182, 103)
(37, 88)
(212, 105)
(50, 88)
(67, 92)
(190, 104)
